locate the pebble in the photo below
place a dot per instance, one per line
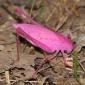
(2, 47)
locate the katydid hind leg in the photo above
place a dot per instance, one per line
(46, 59)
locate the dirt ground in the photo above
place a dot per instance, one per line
(65, 16)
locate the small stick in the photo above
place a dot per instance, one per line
(8, 43)
(44, 69)
(33, 81)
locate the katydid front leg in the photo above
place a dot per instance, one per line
(68, 61)
(18, 45)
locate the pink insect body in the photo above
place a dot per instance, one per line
(41, 36)
(44, 38)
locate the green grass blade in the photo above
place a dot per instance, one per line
(75, 67)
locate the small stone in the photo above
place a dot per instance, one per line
(2, 47)
(1, 30)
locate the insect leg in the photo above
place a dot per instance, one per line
(47, 58)
(17, 45)
(68, 61)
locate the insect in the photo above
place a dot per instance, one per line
(42, 37)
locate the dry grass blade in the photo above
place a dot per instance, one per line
(49, 17)
(74, 10)
(44, 79)
(33, 3)
(7, 77)
(63, 19)
(81, 66)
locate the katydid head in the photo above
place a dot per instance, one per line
(68, 46)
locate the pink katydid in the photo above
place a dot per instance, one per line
(43, 37)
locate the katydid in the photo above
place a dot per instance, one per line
(42, 37)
